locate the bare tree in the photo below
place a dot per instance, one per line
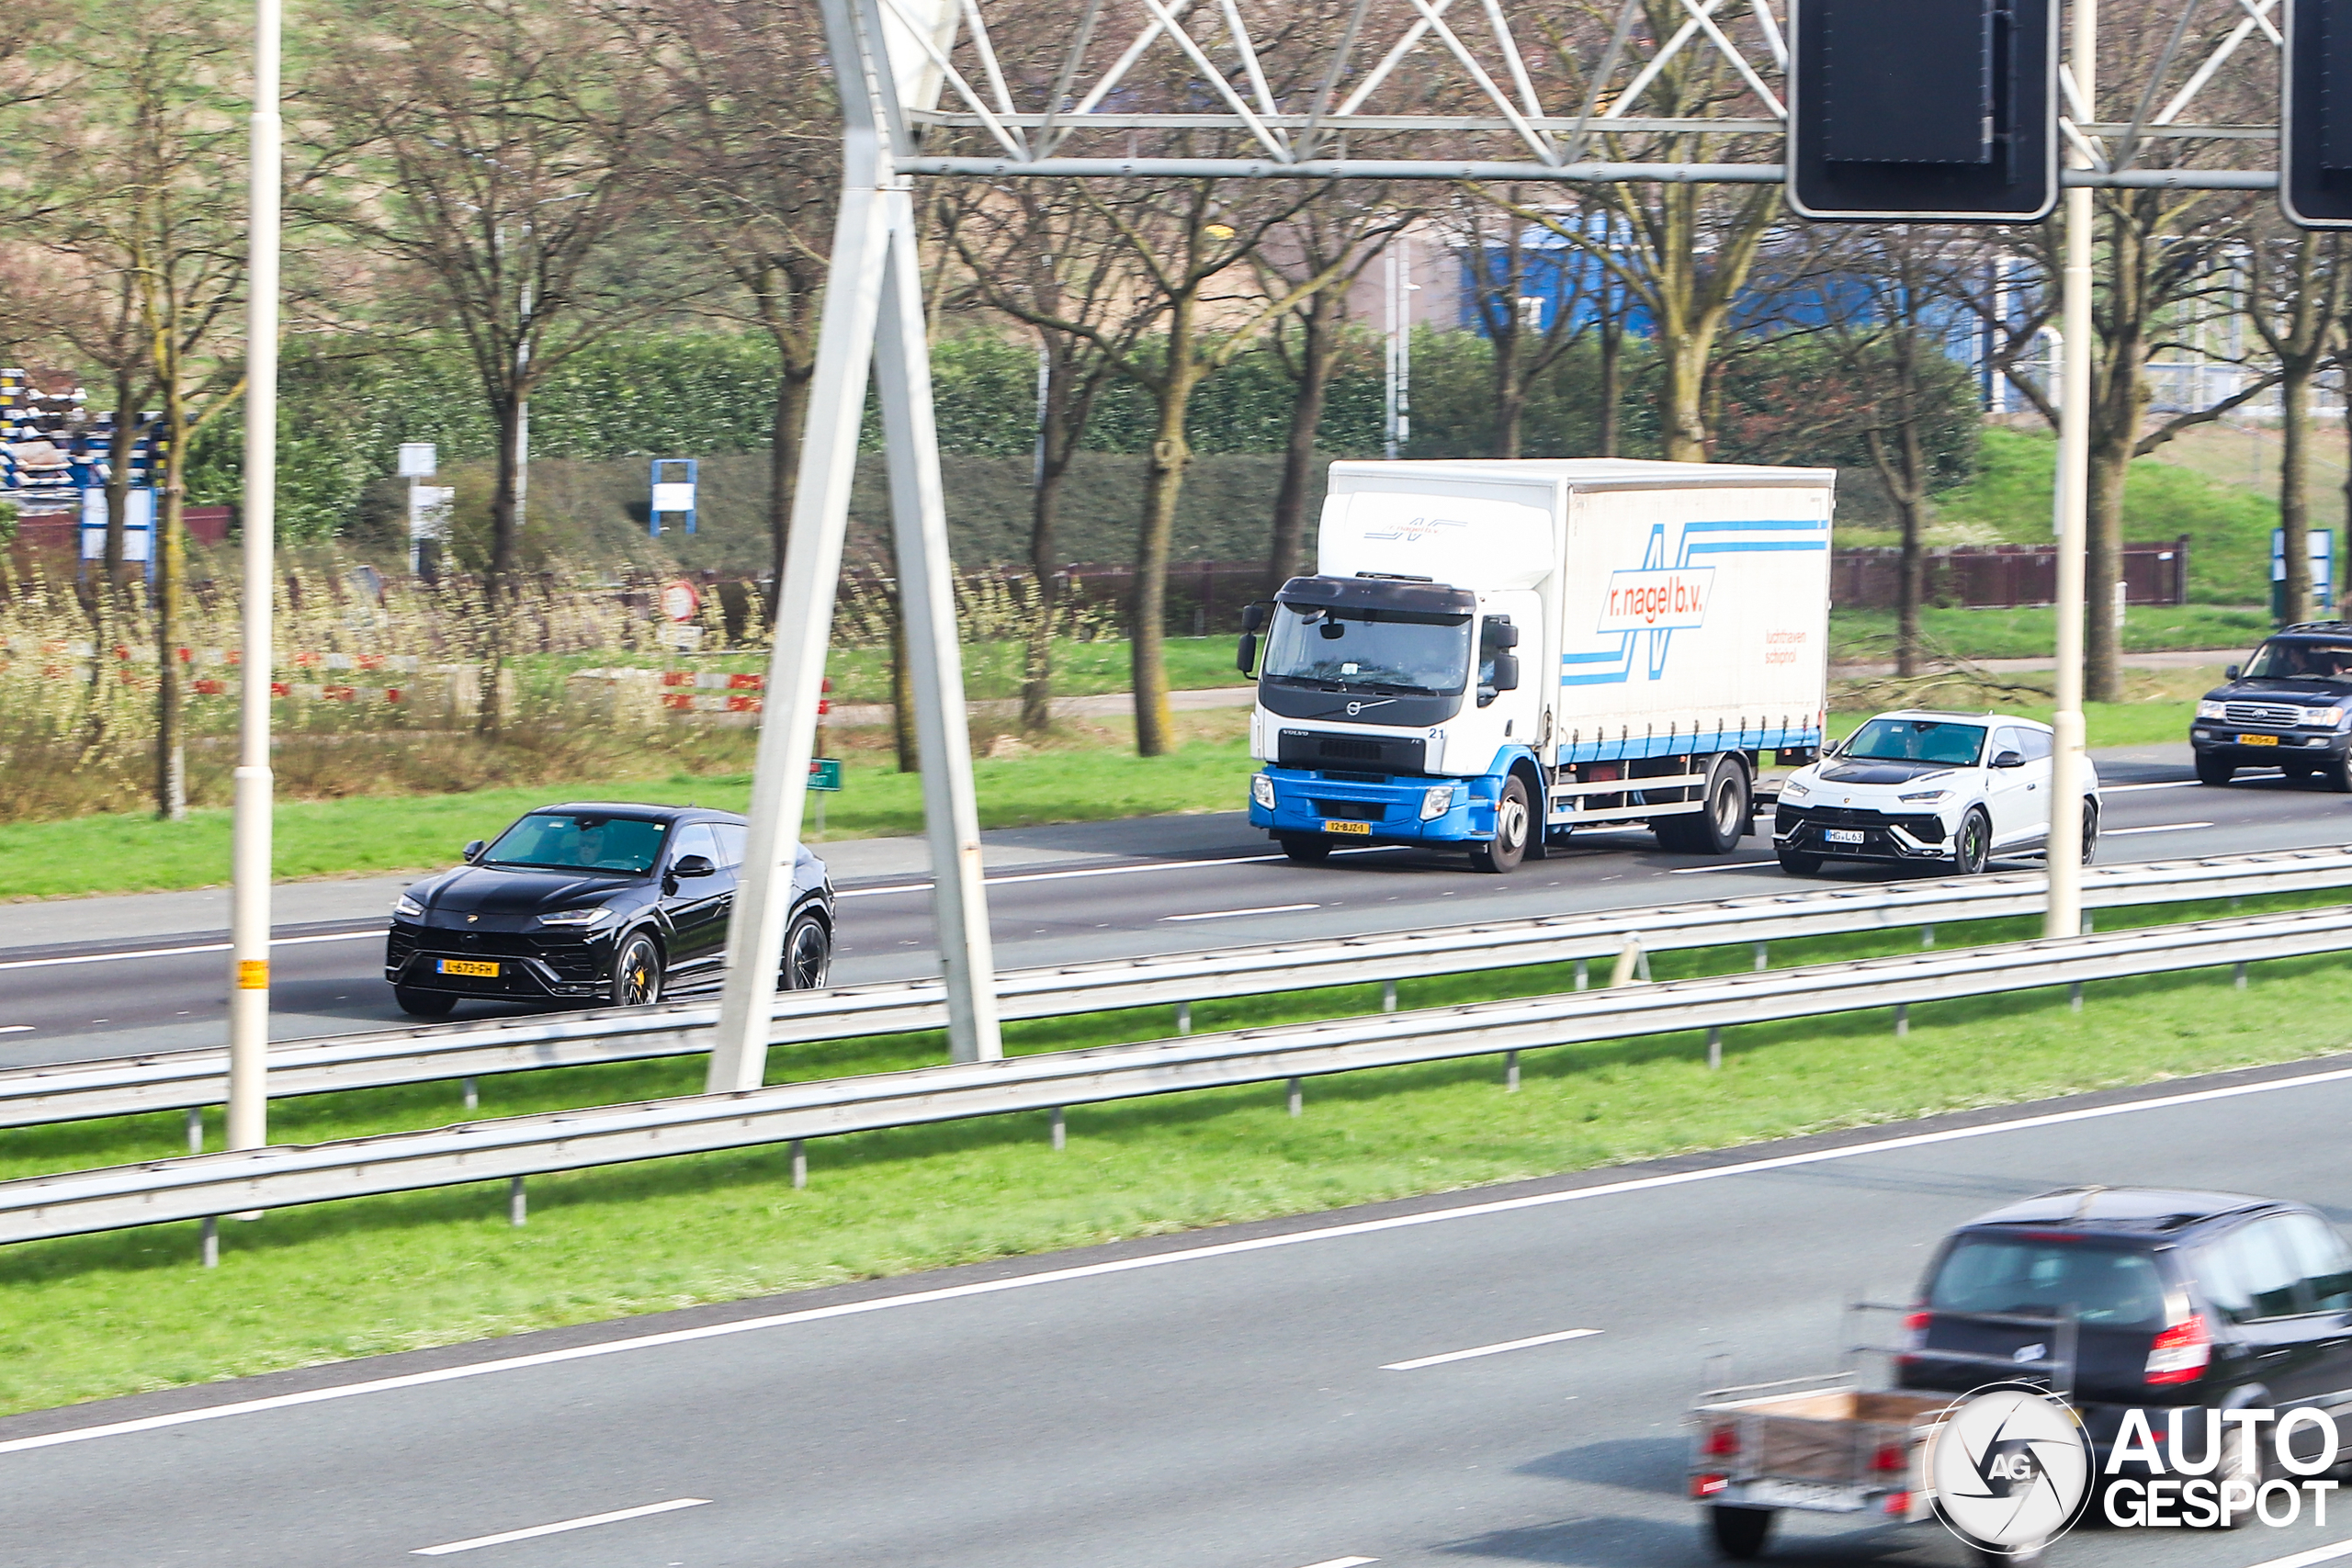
(2295, 286)
(1529, 288)
(495, 149)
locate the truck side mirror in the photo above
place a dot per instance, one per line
(1245, 658)
(1506, 672)
(1500, 633)
(1253, 617)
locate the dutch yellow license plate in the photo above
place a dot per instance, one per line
(473, 966)
(1363, 828)
(2257, 740)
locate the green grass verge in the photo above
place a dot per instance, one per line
(85, 1317)
(1868, 636)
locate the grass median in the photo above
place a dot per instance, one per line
(84, 1317)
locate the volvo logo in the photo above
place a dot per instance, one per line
(1355, 708)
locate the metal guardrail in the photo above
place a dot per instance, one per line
(198, 1186)
(179, 1079)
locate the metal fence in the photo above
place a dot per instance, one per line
(201, 1186)
(182, 1079)
(2001, 576)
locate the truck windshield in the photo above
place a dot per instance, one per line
(1371, 650)
(2028, 1276)
(1917, 740)
(2295, 659)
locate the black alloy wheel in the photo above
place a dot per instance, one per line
(1307, 849)
(808, 953)
(2091, 830)
(636, 972)
(1973, 845)
(424, 1004)
(1509, 846)
(2337, 773)
(2212, 770)
(1739, 1533)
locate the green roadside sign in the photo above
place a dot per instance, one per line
(825, 773)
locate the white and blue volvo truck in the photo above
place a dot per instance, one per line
(1493, 654)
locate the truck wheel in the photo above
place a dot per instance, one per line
(1740, 1533)
(2212, 770)
(1307, 849)
(1509, 846)
(1716, 828)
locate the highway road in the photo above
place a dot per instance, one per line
(1170, 884)
(1272, 1396)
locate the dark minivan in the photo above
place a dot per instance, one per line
(2206, 1300)
(2289, 708)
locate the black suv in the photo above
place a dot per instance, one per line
(2289, 708)
(2207, 1299)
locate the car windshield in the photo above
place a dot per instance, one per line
(562, 841)
(1917, 740)
(2302, 659)
(1371, 650)
(2030, 1277)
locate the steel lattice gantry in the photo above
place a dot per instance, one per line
(1680, 91)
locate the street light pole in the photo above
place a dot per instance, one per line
(2063, 916)
(249, 906)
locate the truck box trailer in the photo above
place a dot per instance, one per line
(1492, 654)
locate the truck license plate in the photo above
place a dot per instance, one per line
(1843, 835)
(1822, 1495)
(1362, 828)
(474, 966)
(2257, 740)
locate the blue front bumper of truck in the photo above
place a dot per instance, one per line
(1306, 801)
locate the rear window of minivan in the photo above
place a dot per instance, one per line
(2031, 1277)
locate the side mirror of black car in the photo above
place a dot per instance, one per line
(1245, 656)
(472, 851)
(2230, 673)
(694, 866)
(1506, 672)
(2008, 760)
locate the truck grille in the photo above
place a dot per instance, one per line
(2263, 712)
(1312, 748)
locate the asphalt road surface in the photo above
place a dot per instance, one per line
(1226, 885)
(1275, 1396)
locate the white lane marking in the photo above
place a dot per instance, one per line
(16, 1029)
(1112, 871)
(2160, 828)
(1727, 865)
(1489, 1349)
(2167, 783)
(672, 1506)
(2308, 1559)
(173, 952)
(1343, 1563)
(1233, 914)
(1163, 1259)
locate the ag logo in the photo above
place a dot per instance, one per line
(2011, 1466)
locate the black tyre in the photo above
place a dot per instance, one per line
(2212, 770)
(2024, 1557)
(2337, 773)
(1717, 830)
(1513, 819)
(424, 1004)
(637, 973)
(808, 953)
(1971, 847)
(1739, 1533)
(2091, 830)
(1796, 865)
(1307, 849)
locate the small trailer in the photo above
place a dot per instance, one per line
(1817, 1444)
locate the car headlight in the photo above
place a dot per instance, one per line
(2337, 718)
(576, 917)
(404, 904)
(1793, 788)
(1925, 796)
(2208, 710)
(1261, 790)
(1436, 802)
